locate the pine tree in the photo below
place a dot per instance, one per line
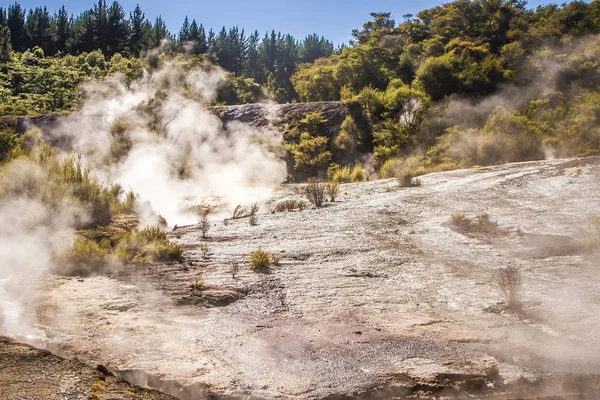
(39, 30)
(63, 29)
(15, 20)
(140, 31)
(159, 31)
(184, 32)
(2, 17)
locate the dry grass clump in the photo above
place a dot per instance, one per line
(509, 281)
(314, 191)
(204, 223)
(346, 174)
(260, 259)
(245, 212)
(138, 247)
(407, 178)
(83, 256)
(289, 205)
(147, 245)
(482, 224)
(198, 284)
(332, 190)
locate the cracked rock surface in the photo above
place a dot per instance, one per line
(375, 295)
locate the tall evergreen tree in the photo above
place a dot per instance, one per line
(2, 17)
(15, 20)
(314, 47)
(117, 31)
(63, 29)
(184, 32)
(39, 30)
(140, 31)
(159, 31)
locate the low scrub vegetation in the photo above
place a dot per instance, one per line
(482, 224)
(332, 190)
(314, 191)
(338, 174)
(127, 247)
(260, 260)
(509, 281)
(289, 205)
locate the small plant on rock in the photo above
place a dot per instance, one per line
(197, 285)
(314, 191)
(204, 249)
(289, 205)
(332, 190)
(509, 280)
(204, 223)
(260, 259)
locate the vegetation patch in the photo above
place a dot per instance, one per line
(314, 191)
(261, 260)
(482, 224)
(510, 283)
(289, 205)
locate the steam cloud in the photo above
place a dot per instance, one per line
(190, 159)
(187, 160)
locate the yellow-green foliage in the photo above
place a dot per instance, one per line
(84, 255)
(260, 259)
(138, 247)
(390, 168)
(289, 205)
(147, 245)
(32, 83)
(345, 174)
(341, 175)
(357, 174)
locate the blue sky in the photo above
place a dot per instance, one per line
(334, 19)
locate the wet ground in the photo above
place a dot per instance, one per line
(375, 295)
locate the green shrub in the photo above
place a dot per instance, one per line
(314, 191)
(289, 205)
(260, 259)
(332, 190)
(357, 174)
(84, 256)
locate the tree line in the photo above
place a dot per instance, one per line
(268, 59)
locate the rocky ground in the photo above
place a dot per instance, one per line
(27, 373)
(376, 295)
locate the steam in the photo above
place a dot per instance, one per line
(32, 233)
(486, 130)
(153, 136)
(187, 158)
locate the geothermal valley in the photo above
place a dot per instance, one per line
(376, 295)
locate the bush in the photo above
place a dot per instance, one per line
(289, 205)
(147, 245)
(204, 223)
(389, 168)
(84, 256)
(260, 259)
(314, 191)
(509, 281)
(332, 190)
(357, 174)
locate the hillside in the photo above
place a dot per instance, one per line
(375, 294)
